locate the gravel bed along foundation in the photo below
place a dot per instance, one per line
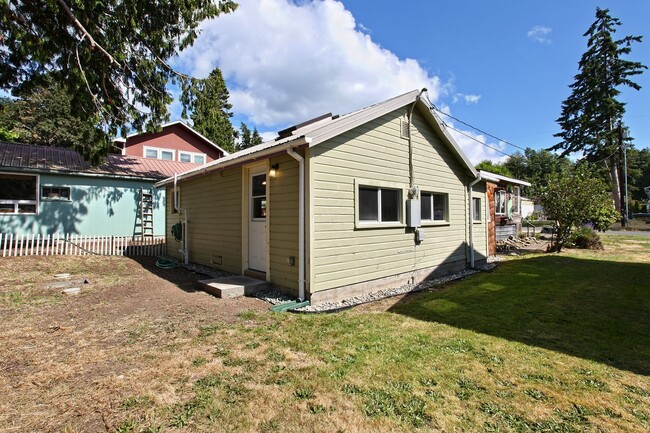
(387, 293)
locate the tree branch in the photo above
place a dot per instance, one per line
(85, 33)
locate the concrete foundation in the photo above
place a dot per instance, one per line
(393, 281)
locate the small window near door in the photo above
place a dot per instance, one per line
(258, 196)
(477, 209)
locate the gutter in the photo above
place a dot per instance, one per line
(301, 223)
(220, 164)
(471, 218)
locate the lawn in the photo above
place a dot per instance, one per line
(544, 343)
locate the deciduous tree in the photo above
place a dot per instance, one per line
(573, 199)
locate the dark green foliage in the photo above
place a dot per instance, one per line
(248, 138)
(572, 200)
(210, 110)
(535, 166)
(590, 113)
(111, 55)
(494, 167)
(586, 238)
(45, 116)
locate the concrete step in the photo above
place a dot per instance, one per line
(232, 287)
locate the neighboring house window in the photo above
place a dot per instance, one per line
(477, 208)
(197, 158)
(500, 202)
(157, 153)
(434, 206)
(517, 203)
(55, 193)
(18, 193)
(381, 205)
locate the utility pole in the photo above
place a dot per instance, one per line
(622, 141)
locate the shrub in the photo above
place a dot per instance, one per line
(586, 238)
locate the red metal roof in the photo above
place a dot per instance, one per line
(56, 159)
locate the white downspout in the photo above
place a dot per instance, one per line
(301, 223)
(471, 219)
(184, 251)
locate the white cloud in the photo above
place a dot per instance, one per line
(540, 33)
(468, 99)
(475, 151)
(287, 62)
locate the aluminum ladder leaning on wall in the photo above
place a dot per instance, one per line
(146, 213)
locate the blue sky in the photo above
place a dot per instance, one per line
(503, 66)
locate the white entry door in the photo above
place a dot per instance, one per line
(257, 222)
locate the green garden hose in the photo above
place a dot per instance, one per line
(166, 264)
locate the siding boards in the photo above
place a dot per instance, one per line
(283, 223)
(214, 228)
(375, 151)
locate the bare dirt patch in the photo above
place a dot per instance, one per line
(67, 362)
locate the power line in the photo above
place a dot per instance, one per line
(476, 139)
(433, 107)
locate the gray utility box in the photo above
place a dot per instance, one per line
(413, 213)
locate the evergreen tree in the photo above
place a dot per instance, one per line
(248, 138)
(590, 114)
(535, 166)
(111, 55)
(44, 116)
(210, 110)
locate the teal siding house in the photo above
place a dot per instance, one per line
(47, 191)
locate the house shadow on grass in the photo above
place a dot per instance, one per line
(592, 309)
(181, 277)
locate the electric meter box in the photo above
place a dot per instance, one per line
(413, 213)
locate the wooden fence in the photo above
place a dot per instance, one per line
(79, 245)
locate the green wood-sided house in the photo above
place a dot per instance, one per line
(48, 190)
(337, 206)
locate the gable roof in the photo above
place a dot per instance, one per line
(45, 159)
(320, 129)
(179, 123)
(496, 178)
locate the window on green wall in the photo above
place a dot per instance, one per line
(434, 206)
(55, 193)
(18, 193)
(380, 205)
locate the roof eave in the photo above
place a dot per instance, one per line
(220, 164)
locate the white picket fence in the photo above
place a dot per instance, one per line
(79, 245)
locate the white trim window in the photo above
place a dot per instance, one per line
(476, 217)
(379, 205)
(55, 193)
(434, 206)
(159, 153)
(500, 202)
(196, 158)
(18, 193)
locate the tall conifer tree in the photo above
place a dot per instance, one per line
(590, 114)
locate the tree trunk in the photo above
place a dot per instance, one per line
(614, 181)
